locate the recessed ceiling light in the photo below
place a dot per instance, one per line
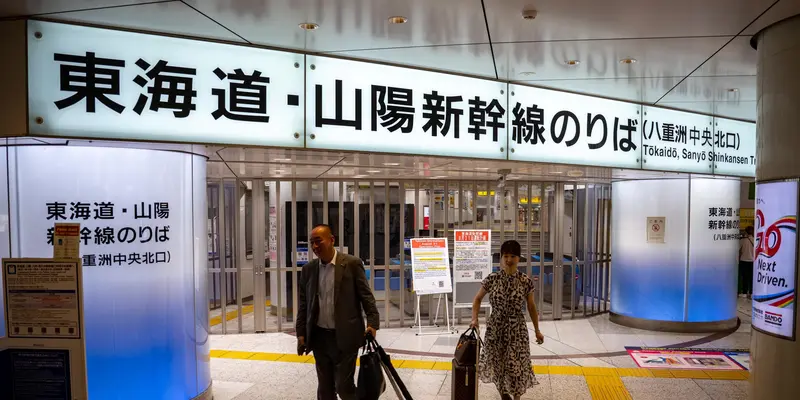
(527, 73)
(279, 171)
(359, 176)
(282, 159)
(391, 164)
(398, 19)
(572, 62)
(482, 168)
(556, 172)
(439, 177)
(575, 173)
(628, 61)
(309, 26)
(374, 171)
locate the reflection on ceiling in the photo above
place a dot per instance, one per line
(685, 54)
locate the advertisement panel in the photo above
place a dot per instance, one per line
(775, 266)
(690, 358)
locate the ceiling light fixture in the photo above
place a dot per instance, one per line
(282, 159)
(391, 164)
(279, 171)
(572, 62)
(482, 168)
(527, 73)
(359, 176)
(398, 19)
(628, 61)
(309, 26)
(374, 171)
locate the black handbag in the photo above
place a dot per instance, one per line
(371, 383)
(468, 348)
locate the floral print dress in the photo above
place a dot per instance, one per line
(505, 358)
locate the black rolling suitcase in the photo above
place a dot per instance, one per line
(465, 382)
(465, 366)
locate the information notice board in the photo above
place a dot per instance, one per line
(472, 255)
(775, 266)
(40, 374)
(430, 266)
(42, 299)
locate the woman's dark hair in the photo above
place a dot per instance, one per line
(511, 247)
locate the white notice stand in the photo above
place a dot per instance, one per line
(472, 263)
(430, 269)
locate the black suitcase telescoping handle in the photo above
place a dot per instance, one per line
(389, 366)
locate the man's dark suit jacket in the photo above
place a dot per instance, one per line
(351, 295)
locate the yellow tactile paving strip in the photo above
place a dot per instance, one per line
(214, 321)
(604, 383)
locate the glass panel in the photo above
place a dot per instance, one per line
(215, 309)
(545, 258)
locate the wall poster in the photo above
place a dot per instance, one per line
(775, 266)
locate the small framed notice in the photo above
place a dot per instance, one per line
(656, 229)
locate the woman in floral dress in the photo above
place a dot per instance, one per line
(505, 357)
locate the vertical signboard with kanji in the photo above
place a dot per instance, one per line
(369, 107)
(93, 82)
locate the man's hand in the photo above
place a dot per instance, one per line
(371, 331)
(301, 346)
(539, 337)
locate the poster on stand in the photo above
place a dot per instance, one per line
(775, 265)
(430, 266)
(472, 255)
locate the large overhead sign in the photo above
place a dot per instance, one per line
(370, 107)
(560, 127)
(98, 83)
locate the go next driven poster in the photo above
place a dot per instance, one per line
(775, 258)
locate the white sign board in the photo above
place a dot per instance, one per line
(42, 299)
(677, 141)
(376, 108)
(734, 147)
(552, 126)
(93, 82)
(656, 229)
(430, 266)
(67, 240)
(472, 255)
(775, 263)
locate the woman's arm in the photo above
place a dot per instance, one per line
(534, 313)
(476, 305)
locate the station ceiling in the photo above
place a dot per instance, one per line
(689, 54)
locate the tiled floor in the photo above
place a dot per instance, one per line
(569, 345)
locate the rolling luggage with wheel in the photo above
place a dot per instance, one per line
(465, 382)
(465, 366)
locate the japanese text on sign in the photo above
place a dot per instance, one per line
(150, 226)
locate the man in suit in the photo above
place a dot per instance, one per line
(333, 292)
